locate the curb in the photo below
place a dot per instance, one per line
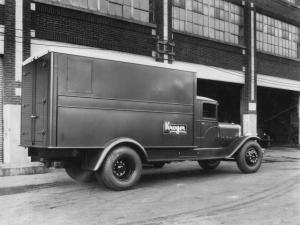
(25, 183)
(25, 169)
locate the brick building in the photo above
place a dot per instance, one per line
(246, 52)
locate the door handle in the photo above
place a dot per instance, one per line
(33, 116)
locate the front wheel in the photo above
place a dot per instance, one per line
(249, 158)
(209, 164)
(121, 170)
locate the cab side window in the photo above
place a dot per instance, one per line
(209, 111)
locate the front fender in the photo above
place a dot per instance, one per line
(95, 163)
(238, 143)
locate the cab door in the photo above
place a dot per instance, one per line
(207, 125)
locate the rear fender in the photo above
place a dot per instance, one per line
(95, 162)
(235, 146)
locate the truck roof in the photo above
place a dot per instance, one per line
(108, 56)
(207, 99)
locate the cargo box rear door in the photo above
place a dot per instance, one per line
(35, 102)
(41, 96)
(27, 104)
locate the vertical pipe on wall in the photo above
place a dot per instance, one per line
(166, 26)
(299, 119)
(252, 55)
(248, 96)
(19, 39)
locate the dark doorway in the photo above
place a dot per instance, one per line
(277, 115)
(228, 96)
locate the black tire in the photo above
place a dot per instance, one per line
(158, 165)
(74, 170)
(121, 170)
(209, 164)
(249, 158)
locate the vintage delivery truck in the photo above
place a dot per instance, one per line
(105, 119)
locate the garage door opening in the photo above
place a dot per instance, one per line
(228, 96)
(277, 115)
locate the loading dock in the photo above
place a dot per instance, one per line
(277, 113)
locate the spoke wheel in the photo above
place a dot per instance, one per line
(252, 156)
(249, 158)
(121, 170)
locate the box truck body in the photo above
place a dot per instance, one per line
(83, 110)
(80, 102)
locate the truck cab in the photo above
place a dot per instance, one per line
(211, 132)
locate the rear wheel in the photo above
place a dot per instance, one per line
(121, 170)
(249, 158)
(209, 164)
(74, 170)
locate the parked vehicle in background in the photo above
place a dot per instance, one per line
(106, 118)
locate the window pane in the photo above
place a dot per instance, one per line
(277, 37)
(179, 3)
(104, 6)
(217, 18)
(127, 11)
(133, 9)
(67, 2)
(137, 14)
(115, 9)
(93, 4)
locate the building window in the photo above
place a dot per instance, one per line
(277, 37)
(130, 9)
(215, 19)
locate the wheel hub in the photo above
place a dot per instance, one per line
(252, 156)
(119, 168)
(122, 168)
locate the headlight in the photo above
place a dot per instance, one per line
(240, 131)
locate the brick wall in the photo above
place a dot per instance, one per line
(78, 27)
(278, 67)
(9, 55)
(1, 14)
(26, 28)
(197, 50)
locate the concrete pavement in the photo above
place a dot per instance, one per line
(179, 193)
(41, 176)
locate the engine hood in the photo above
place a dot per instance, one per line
(229, 130)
